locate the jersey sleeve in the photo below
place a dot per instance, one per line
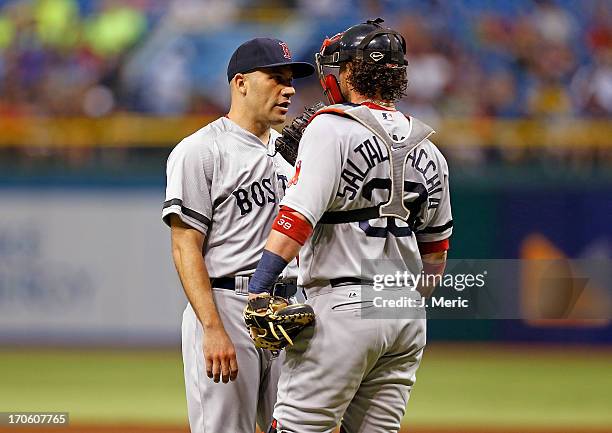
(439, 224)
(189, 174)
(317, 170)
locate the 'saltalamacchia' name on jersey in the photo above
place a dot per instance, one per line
(423, 163)
(371, 153)
(368, 152)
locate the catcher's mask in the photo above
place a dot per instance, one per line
(369, 42)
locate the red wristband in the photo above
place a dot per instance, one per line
(291, 225)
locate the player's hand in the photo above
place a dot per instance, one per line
(220, 355)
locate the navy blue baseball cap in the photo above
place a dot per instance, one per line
(265, 53)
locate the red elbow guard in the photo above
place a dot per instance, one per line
(434, 247)
(291, 225)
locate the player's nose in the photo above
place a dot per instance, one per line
(288, 91)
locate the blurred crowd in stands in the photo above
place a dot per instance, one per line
(467, 58)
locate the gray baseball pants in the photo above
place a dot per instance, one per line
(348, 369)
(232, 407)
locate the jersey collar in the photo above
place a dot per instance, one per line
(231, 125)
(374, 106)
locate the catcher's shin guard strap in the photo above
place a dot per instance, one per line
(270, 266)
(292, 225)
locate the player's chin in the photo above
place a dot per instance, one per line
(278, 115)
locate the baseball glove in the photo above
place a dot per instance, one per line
(274, 323)
(287, 144)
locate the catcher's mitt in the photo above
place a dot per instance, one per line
(274, 323)
(287, 145)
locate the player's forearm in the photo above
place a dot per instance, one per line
(196, 284)
(190, 266)
(282, 245)
(433, 266)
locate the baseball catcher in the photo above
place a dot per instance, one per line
(369, 197)
(274, 323)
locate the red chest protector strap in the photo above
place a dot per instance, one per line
(338, 110)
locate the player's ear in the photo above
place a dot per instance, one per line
(240, 83)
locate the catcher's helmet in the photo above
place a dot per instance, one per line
(369, 42)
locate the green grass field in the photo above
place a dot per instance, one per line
(515, 386)
(458, 385)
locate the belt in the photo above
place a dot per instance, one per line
(228, 283)
(349, 281)
(286, 289)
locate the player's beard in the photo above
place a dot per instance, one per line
(344, 89)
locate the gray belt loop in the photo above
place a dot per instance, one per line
(242, 285)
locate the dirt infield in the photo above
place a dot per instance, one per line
(143, 429)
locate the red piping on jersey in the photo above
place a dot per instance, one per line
(335, 111)
(374, 106)
(434, 247)
(339, 112)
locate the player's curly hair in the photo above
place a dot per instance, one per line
(377, 81)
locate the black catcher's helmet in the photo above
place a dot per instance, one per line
(369, 42)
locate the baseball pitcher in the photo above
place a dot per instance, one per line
(224, 185)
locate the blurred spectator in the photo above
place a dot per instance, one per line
(114, 28)
(7, 32)
(57, 23)
(323, 8)
(554, 24)
(168, 87)
(472, 59)
(548, 94)
(599, 32)
(194, 14)
(592, 85)
(499, 98)
(430, 72)
(548, 98)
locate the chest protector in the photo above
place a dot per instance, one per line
(398, 153)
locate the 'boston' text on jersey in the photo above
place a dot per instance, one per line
(259, 193)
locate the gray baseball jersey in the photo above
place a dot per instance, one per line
(224, 182)
(348, 368)
(343, 166)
